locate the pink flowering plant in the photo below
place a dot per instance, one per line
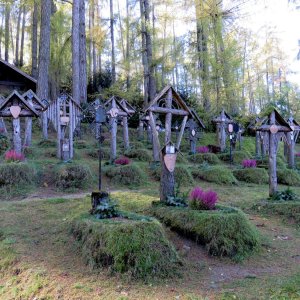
(202, 200)
(202, 149)
(297, 154)
(123, 160)
(249, 163)
(13, 156)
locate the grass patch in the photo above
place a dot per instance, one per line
(47, 143)
(217, 174)
(237, 156)
(252, 175)
(224, 232)
(135, 245)
(139, 154)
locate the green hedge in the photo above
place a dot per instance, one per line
(134, 245)
(217, 174)
(125, 175)
(252, 175)
(200, 158)
(224, 232)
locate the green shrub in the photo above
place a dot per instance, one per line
(252, 175)
(265, 163)
(217, 174)
(224, 232)
(80, 144)
(47, 143)
(137, 145)
(16, 174)
(139, 154)
(288, 177)
(134, 245)
(50, 153)
(4, 143)
(69, 176)
(125, 175)
(181, 159)
(94, 153)
(200, 158)
(237, 156)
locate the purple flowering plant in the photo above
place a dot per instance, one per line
(203, 200)
(249, 163)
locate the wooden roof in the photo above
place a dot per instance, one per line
(108, 104)
(26, 109)
(197, 118)
(13, 78)
(128, 107)
(37, 103)
(227, 116)
(175, 96)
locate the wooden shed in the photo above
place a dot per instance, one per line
(12, 78)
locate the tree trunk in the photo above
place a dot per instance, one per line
(75, 52)
(23, 36)
(257, 144)
(17, 135)
(113, 130)
(127, 46)
(44, 59)
(291, 150)
(18, 37)
(28, 128)
(167, 183)
(112, 39)
(141, 131)
(82, 54)
(34, 40)
(7, 21)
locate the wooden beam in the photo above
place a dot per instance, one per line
(164, 110)
(156, 142)
(280, 128)
(181, 132)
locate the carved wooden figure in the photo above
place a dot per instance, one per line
(16, 106)
(274, 126)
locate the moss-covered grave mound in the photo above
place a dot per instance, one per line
(252, 175)
(288, 177)
(200, 158)
(134, 244)
(237, 156)
(217, 174)
(224, 231)
(139, 154)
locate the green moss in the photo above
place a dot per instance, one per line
(252, 175)
(265, 163)
(200, 158)
(224, 232)
(288, 177)
(237, 156)
(70, 176)
(134, 245)
(139, 154)
(80, 144)
(183, 175)
(125, 175)
(217, 174)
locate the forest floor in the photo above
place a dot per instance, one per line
(39, 259)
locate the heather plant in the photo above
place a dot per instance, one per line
(13, 156)
(123, 160)
(249, 163)
(203, 200)
(202, 149)
(297, 154)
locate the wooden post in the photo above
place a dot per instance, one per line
(156, 143)
(291, 149)
(149, 134)
(222, 132)
(28, 128)
(193, 146)
(181, 132)
(125, 133)
(272, 158)
(2, 126)
(71, 128)
(114, 129)
(168, 120)
(59, 137)
(141, 131)
(257, 143)
(17, 135)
